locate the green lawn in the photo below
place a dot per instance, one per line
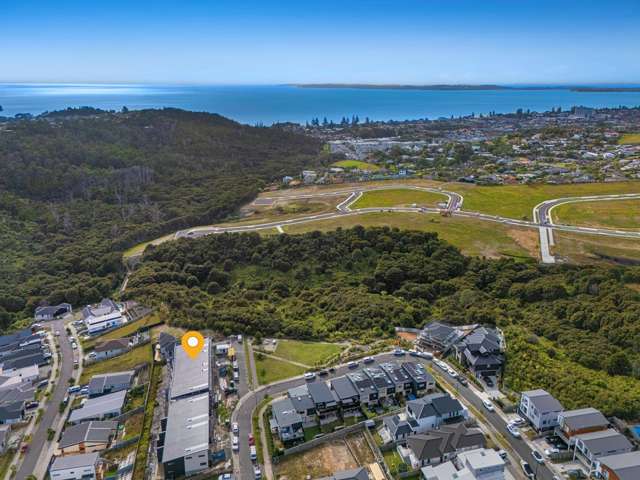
(517, 201)
(308, 353)
(611, 213)
(393, 460)
(473, 237)
(271, 370)
(398, 197)
(580, 248)
(126, 330)
(356, 164)
(127, 361)
(629, 139)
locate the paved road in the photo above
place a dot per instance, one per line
(39, 438)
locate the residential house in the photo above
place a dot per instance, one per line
(421, 380)
(111, 348)
(183, 443)
(365, 387)
(540, 408)
(383, 384)
(326, 404)
(575, 422)
(402, 382)
(110, 382)
(437, 446)
(481, 352)
(359, 473)
(625, 466)
(438, 336)
(445, 471)
(49, 312)
(434, 410)
(166, 344)
(286, 421)
(483, 463)
(87, 466)
(589, 447)
(11, 412)
(87, 437)
(303, 404)
(397, 428)
(348, 397)
(99, 408)
(25, 376)
(103, 316)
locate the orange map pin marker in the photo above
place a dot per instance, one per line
(192, 343)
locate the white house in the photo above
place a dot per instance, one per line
(483, 463)
(540, 408)
(591, 446)
(103, 316)
(75, 467)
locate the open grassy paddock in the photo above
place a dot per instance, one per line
(609, 214)
(580, 248)
(397, 198)
(126, 361)
(471, 236)
(356, 164)
(629, 139)
(271, 370)
(308, 353)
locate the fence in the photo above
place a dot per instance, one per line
(129, 414)
(122, 444)
(303, 447)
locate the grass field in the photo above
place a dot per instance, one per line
(473, 237)
(127, 361)
(517, 201)
(612, 214)
(308, 353)
(125, 331)
(271, 370)
(629, 139)
(398, 197)
(579, 248)
(356, 164)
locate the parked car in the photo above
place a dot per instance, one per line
(526, 468)
(413, 353)
(488, 405)
(323, 373)
(92, 355)
(518, 421)
(257, 472)
(352, 364)
(368, 360)
(503, 454)
(225, 476)
(398, 352)
(513, 430)
(427, 355)
(253, 453)
(462, 380)
(74, 389)
(489, 382)
(309, 376)
(234, 427)
(251, 439)
(452, 372)
(235, 443)
(332, 369)
(537, 456)
(551, 451)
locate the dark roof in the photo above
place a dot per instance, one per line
(417, 372)
(343, 388)
(397, 375)
(100, 432)
(543, 400)
(32, 359)
(583, 418)
(285, 413)
(115, 344)
(625, 465)
(15, 337)
(166, 341)
(447, 439)
(11, 410)
(107, 381)
(320, 393)
(440, 404)
(482, 341)
(379, 378)
(399, 427)
(439, 334)
(301, 399)
(359, 473)
(363, 384)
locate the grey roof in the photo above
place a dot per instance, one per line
(15, 337)
(167, 341)
(397, 375)
(583, 418)
(106, 381)
(543, 401)
(301, 399)
(95, 431)
(604, 441)
(439, 334)
(435, 404)
(448, 439)
(625, 465)
(399, 427)
(363, 384)
(189, 375)
(359, 473)
(482, 341)
(343, 388)
(285, 413)
(52, 310)
(379, 378)
(12, 410)
(187, 427)
(99, 407)
(74, 461)
(320, 393)
(417, 372)
(105, 307)
(24, 361)
(22, 393)
(115, 344)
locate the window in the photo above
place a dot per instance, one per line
(203, 464)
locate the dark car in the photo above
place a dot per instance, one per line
(463, 381)
(322, 373)
(332, 370)
(488, 381)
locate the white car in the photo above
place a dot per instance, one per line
(368, 360)
(234, 428)
(513, 430)
(518, 421)
(452, 372)
(526, 468)
(257, 472)
(537, 456)
(398, 352)
(426, 355)
(309, 376)
(550, 451)
(488, 405)
(235, 443)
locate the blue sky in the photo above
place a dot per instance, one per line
(267, 42)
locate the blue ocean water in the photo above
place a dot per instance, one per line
(269, 104)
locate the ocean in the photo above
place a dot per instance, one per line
(282, 103)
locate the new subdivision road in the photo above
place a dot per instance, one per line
(541, 215)
(243, 413)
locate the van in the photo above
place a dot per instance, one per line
(253, 453)
(74, 389)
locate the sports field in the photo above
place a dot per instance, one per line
(398, 198)
(629, 139)
(623, 214)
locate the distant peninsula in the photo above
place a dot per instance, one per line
(464, 87)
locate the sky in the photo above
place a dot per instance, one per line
(309, 41)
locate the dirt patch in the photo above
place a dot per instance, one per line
(318, 462)
(527, 239)
(634, 286)
(408, 336)
(360, 449)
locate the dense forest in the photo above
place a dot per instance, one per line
(78, 187)
(573, 330)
